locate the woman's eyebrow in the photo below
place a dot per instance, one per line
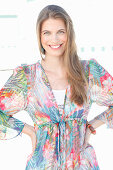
(57, 30)
(44, 30)
(62, 29)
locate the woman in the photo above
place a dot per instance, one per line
(57, 92)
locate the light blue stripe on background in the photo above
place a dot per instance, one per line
(8, 16)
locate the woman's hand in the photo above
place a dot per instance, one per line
(89, 130)
(87, 137)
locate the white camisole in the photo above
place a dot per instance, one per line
(59, 96)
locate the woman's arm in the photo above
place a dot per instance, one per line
(13, 98)
(30, 131)
(101, 92)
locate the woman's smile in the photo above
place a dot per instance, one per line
(55, 46)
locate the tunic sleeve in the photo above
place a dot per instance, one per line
(12, 99)
(101, 91)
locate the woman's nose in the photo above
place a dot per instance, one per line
(54, 38)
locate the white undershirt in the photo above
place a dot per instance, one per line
(59, 96)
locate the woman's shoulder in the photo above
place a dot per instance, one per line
(95, 66)
(91, 67)
(90, 63)
(27, 68)
(95, 69)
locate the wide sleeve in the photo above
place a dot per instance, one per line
(13, 98)
(101, 91)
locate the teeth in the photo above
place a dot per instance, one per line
(54, 46)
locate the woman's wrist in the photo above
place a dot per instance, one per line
(28, 130)
(96, 123)
(91, 128)
(93, 124)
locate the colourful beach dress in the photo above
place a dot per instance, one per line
(60, 132)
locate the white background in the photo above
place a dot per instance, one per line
(92, 21)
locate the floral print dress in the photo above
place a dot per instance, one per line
(60, 132)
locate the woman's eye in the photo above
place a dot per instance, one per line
(61, 32)
(46, 33)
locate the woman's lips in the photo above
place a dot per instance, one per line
(55, 46)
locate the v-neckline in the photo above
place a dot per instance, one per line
(39, 61)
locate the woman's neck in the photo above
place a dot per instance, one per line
(53, 64)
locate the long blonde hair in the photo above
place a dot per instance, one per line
(75, 72)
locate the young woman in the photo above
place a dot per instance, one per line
(57, 92)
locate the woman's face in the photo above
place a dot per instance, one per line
(54, 37)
